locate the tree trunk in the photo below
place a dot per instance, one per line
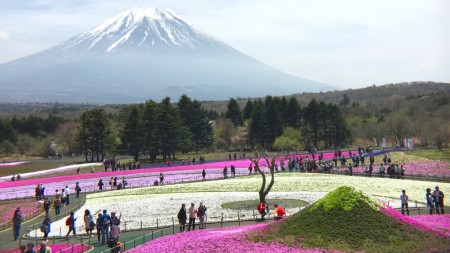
(263, 192)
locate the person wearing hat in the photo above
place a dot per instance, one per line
(182, 217)
(201, 215)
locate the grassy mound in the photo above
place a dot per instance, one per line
(347, 220)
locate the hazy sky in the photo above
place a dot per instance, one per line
(347, 43)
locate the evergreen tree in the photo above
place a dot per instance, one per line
(274, 120)
(293, 113)
(149, 128)
(132, 134)
(234, 113)
(258, 125)
(196, 120)
(248, 110)
(7, 132)
(94, 134)
(170, 133)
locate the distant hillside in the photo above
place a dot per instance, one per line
(370, 95)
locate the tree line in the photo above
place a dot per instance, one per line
(149, 129)
(319, 124)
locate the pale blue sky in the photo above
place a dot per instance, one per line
(347, 43)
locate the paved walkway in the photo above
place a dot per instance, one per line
(6, 236)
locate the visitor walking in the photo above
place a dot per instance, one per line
(47, 205)
(203, 174)
(192, 216)
(57, 202)
(70, 222)
(17, 221)
(430, 200)
(105, 221)
(201, 215)
(77, 189)
(89, 223)
(67, 193)
(161, 178)
(46, 227)
(404, 202)
(438, 200)
(182, 217)
(100, 185)
(98, 226)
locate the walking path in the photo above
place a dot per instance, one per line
(6, 236)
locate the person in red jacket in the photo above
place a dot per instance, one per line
(262, 209)
(278, 212)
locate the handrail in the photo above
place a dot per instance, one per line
(36, 225)
(173, 229)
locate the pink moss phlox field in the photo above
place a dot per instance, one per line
(243, 163)
(56, 248)
(431, 168)
(438, 222)
(231, 240)
(27, 207)
(438, 225)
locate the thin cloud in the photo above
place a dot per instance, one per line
(4, 35)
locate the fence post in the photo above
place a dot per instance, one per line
(239, 219)
(143, 239)
(173, 226)
(161, 232)
(152, 235)
(134, 243)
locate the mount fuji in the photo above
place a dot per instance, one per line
(143, 53)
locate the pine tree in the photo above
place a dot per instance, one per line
(234, 113)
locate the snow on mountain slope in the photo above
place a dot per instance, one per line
(147, 28)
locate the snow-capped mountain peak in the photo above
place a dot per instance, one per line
(142, 28)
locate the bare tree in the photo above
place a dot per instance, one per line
(64, 137)
(263, 191)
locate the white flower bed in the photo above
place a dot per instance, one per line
(144, 210)
(295, 182)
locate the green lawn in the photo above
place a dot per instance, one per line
(432, 154)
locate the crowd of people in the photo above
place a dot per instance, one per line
(434, 200)
(192, 213)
